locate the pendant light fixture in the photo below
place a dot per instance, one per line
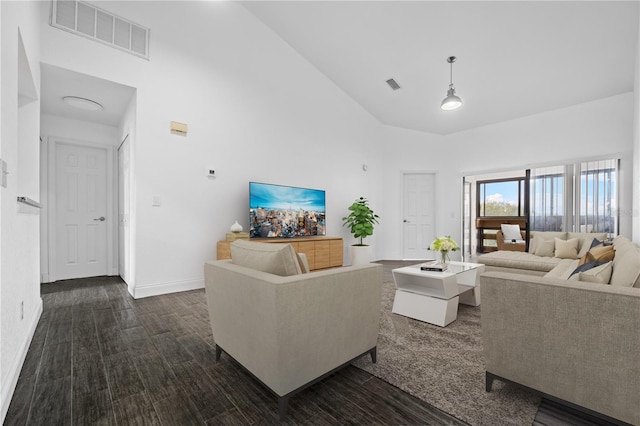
(452, 101)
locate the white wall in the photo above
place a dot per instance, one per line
(20, 303)
(634, 211)
(256, 111)
(595, 129)
(80, 131)
(412, 151)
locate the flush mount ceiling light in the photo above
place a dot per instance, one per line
(452, 101)
(82, 103)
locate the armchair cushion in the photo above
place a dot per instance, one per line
(511, 232)
(277, 259)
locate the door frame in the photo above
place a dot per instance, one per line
(49, 225)
(123, 250)
(403, 173)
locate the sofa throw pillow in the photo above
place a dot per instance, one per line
(585, 267)
(537, 236)
(545, 248)
(585, 246)
(511, 232)
(277, 259)
(588, 244)
(626, 267)
(600, 254)
(532, 244)
(303, 262)
(566, 249)
(600, 274)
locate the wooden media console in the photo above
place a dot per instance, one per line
(321, 252)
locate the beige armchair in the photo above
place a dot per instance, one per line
(292, 331)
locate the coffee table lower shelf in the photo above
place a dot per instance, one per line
(429, 309)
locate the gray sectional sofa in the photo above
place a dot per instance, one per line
(571, 337)
(531, 264)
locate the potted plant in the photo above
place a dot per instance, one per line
(360, 222)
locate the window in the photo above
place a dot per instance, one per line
(578, 197)
(596, 197)
(498, 201)
(546, 201)
(501, 198)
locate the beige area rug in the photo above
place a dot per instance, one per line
(445, 366)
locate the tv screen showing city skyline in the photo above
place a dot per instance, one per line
(280, 211)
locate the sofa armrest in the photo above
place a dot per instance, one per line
(576, 341)
(289, 330)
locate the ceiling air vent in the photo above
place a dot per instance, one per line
(392, 83)
(92, 22)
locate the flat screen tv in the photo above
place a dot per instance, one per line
(278, 211)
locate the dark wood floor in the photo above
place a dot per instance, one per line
(100, 357)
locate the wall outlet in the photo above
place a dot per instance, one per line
(211, 172)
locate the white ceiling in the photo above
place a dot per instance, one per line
(514, 58)
(58, 82)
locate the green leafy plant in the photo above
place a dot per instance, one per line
(361, 219)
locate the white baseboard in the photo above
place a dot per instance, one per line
(9, 386)
(166, 288)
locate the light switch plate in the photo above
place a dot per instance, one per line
(157, 201)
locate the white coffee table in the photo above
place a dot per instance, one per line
(433, 297)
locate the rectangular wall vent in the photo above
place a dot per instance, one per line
(89, 21)
(392, 83)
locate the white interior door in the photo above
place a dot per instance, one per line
(81, 211)
(418, 227)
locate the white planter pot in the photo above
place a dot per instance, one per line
(360, 255)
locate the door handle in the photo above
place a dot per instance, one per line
(101, 219)
(406, 221)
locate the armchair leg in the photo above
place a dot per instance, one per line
(488, 381)
(283, 404)
(218, 352)
(374, 354)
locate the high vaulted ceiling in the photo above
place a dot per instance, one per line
(515, 58)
